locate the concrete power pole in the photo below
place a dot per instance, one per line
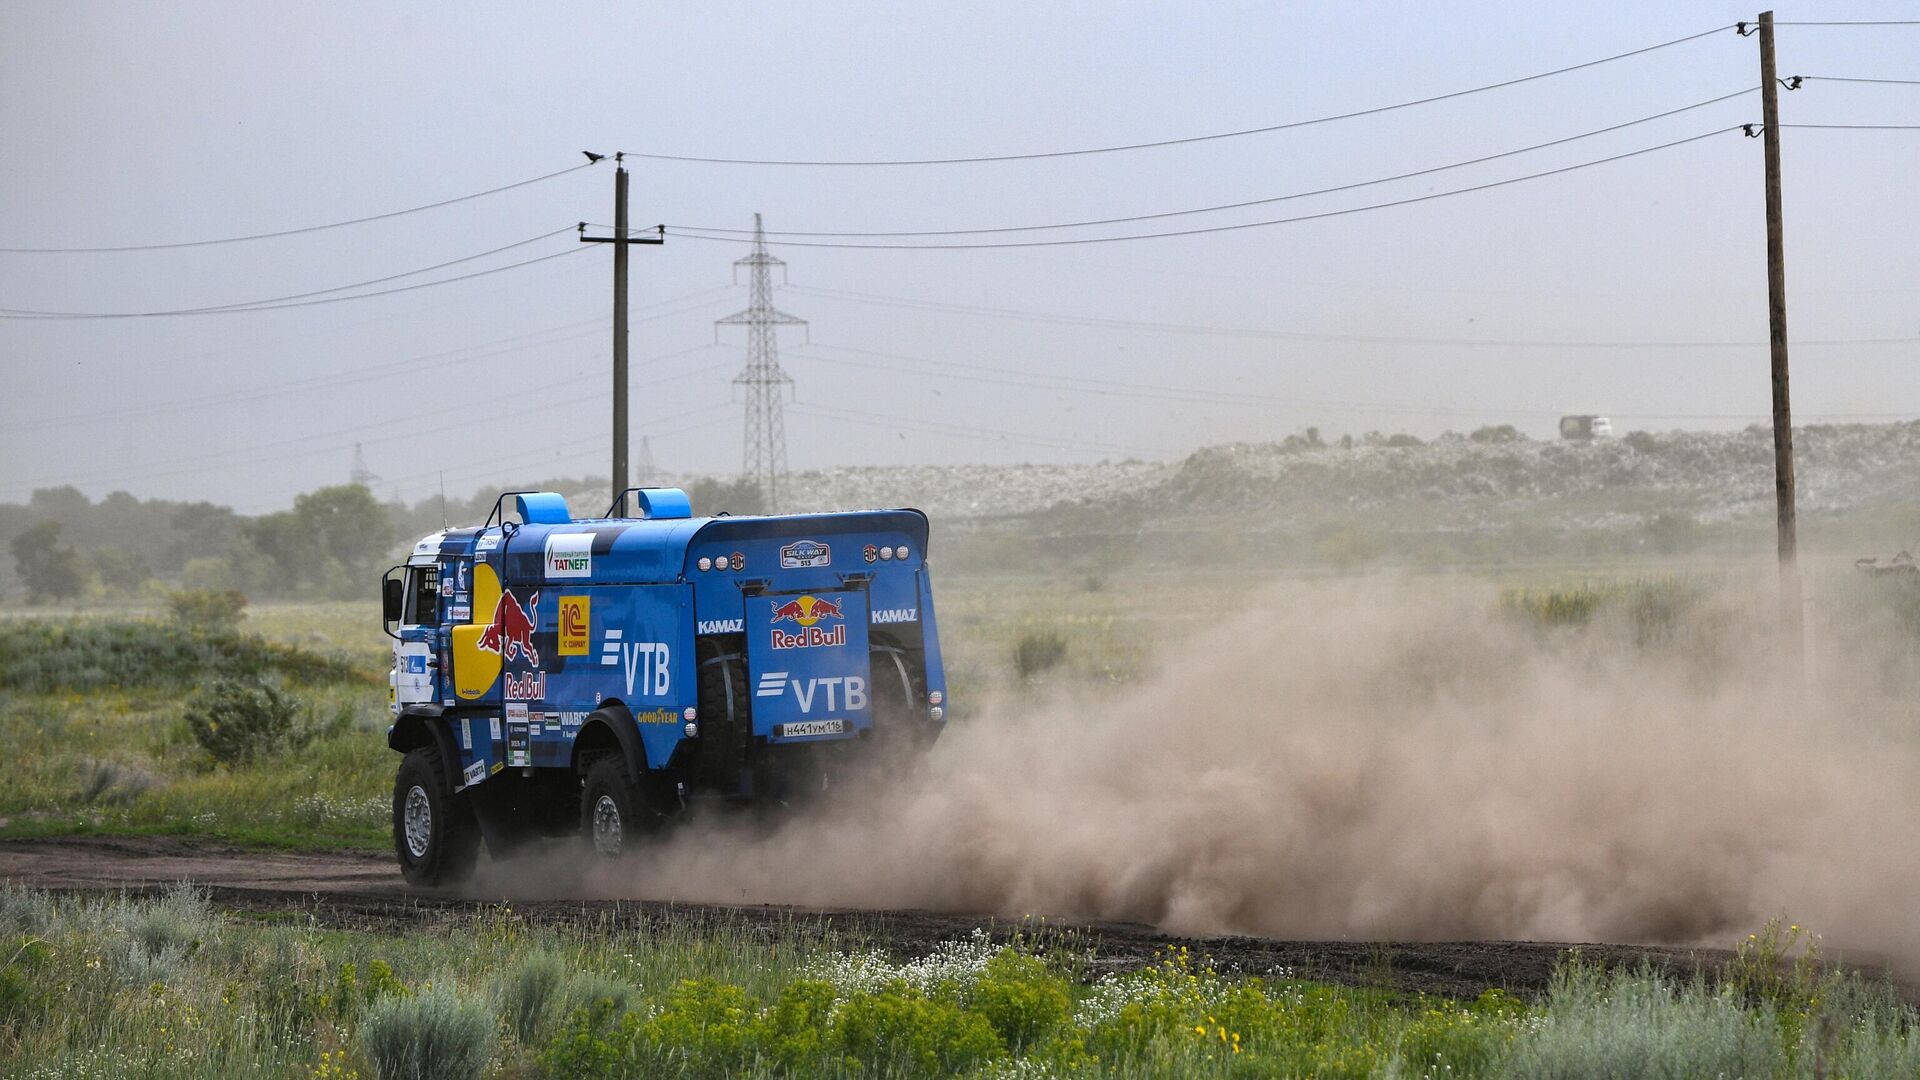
(620, 241)
(765, 458)
(1790, 595)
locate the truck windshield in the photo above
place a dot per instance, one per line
(423, 597)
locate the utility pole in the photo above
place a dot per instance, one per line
(620, 241)
(765, 457)
(1790, 602)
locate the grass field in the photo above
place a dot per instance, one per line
(167, 987)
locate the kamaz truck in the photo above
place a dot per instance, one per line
(555, 675)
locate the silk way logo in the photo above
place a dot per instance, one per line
(808, 613)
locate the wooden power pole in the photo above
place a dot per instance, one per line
(620, 241)
(1790, 610)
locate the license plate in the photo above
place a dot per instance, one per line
(802, 728)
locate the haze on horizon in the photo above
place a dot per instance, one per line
(137, 125)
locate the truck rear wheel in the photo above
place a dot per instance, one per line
(434, 833)
(616, 814)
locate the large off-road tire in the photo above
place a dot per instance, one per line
(616, 813)
(726, 719)
(434, 833)
(898, 704)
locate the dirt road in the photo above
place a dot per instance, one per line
(355, 890)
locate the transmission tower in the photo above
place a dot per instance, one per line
(765, 459)
(360, 474)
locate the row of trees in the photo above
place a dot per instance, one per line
(332, 544)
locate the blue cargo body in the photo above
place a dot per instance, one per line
(698, 653)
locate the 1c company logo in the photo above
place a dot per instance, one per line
(575, 625)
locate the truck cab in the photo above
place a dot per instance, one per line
(555, 674)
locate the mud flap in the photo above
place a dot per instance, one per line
(807, 657)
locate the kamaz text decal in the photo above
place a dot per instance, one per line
(722, 626)
(808, 613)
(649, 662)
(851, 688)
(895, 615)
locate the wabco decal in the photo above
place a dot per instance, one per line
(570, 555)
(841, 691)
(807, 613)
(575, 623)
(648, 662)
(722, 626)
(896, 615)
(804, 554)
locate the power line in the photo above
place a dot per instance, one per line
(1843, 79)
(1304, 335)
(1857, 127)
(300, 231)
(273, 305)
(1191, 138)
(967, 431)
(1870, 22)
(681, 231)
(1250, 202)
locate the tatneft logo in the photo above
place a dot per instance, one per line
(832, 692)
(647, 663)
(570, 555)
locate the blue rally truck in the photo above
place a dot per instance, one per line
(555, 674)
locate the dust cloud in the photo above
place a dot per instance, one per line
(1391, 760)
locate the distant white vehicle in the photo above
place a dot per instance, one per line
(1586, 427)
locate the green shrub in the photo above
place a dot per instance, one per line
(600, 1043)
(236, 722)
(1035, 653)
(901, 1030)
(1639, 1024)
(441, 1032)
(705, 1028)
(793, 1032)
(527, 992)
(208, 609)
(1021, 999)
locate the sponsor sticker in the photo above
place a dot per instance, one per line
(414, 664)
(805, 554)
(817, 623)
(460, 613)
(487, 543)
(575, 625)
(476, 772)
(493, 726)
(570, 555)
(896, 615)
(870, 553)
(647, 664)
(832, 692)
(657, 716)
(510, 634)
(466, 733)
(517, 711)
(722, 626)
(446, 588)
(531, 686)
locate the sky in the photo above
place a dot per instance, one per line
(1634, 288)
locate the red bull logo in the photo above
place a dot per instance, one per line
(511, 632)
(807, 613)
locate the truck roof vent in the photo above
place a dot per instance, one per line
(543, 508)
(654, 504)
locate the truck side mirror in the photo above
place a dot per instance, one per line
(392, 599)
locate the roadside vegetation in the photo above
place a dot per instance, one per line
(165, 986)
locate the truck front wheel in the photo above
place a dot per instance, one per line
(615, 812)
(434, 833)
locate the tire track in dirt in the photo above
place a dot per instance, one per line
(364, 891)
